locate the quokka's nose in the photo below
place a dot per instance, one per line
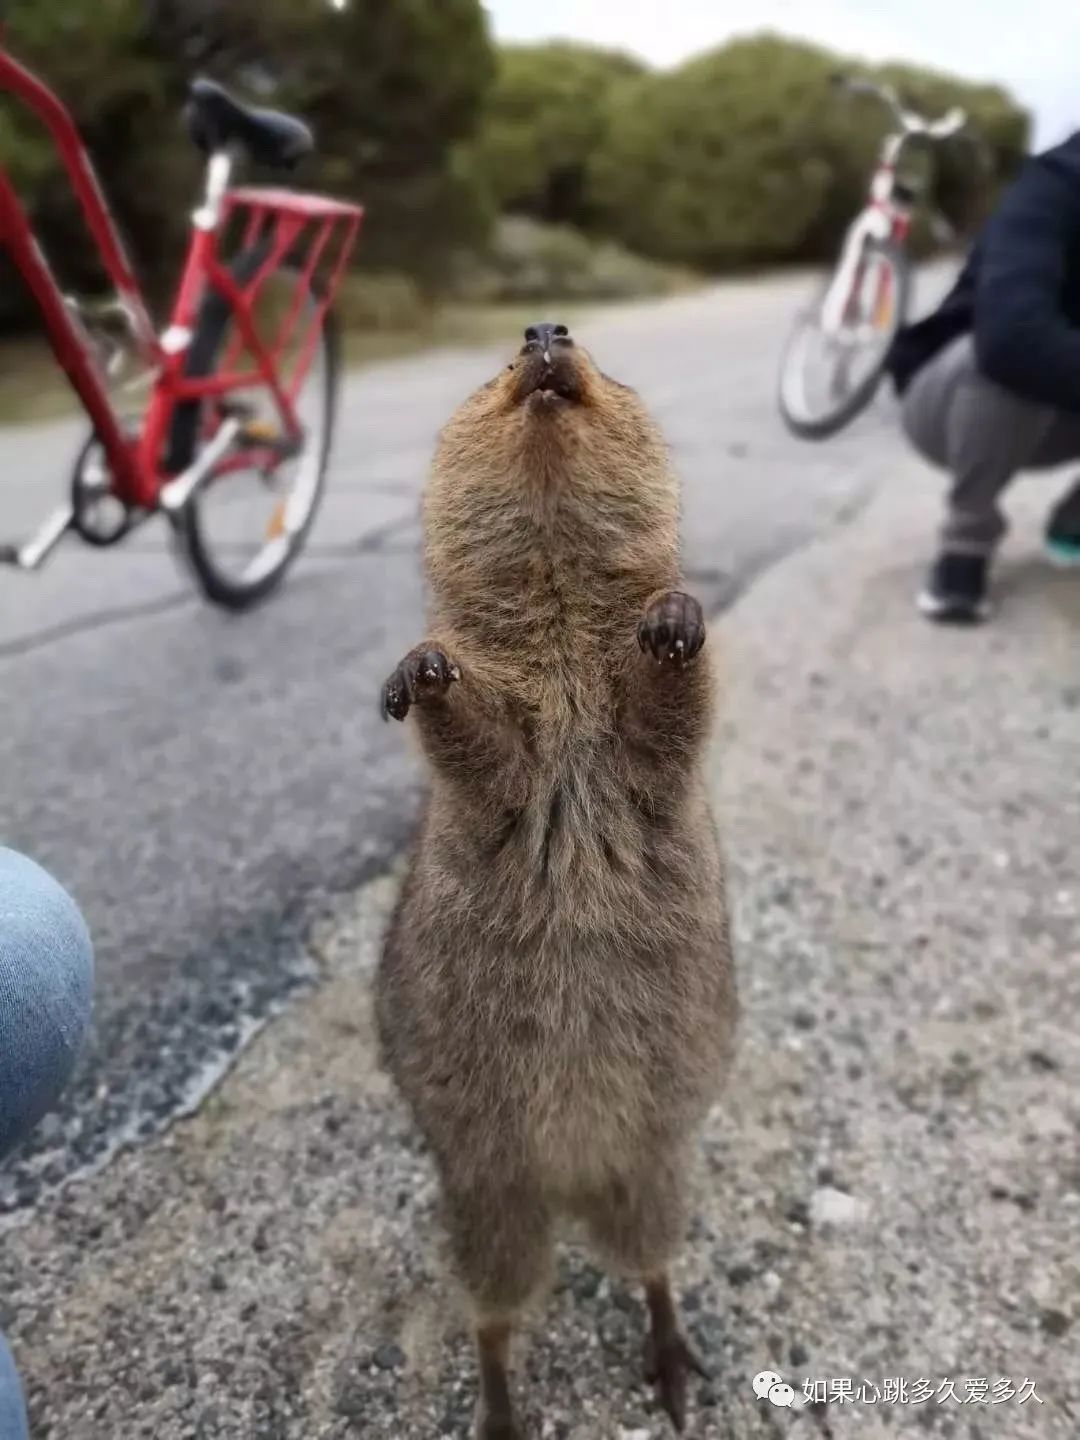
(545, 334)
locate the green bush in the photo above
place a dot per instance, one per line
(543, 120)
(529, 260)
(385, 301)
(718, 163)
(748, 156)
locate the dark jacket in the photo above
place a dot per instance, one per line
(1019, 291)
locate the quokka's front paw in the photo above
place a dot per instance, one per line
(672, 629)
(424, 674)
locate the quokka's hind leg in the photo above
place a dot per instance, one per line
(638, 1223)
(669, 1358)
(495, 1418)
(500, 1244)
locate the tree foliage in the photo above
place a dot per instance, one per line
(544, 119)
(391, 91)
(95, 55)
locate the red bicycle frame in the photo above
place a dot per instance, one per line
(284, 224)
(277, 221)
(65, 337)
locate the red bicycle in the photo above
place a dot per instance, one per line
(239, 390)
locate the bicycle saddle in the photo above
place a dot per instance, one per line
(216, 121)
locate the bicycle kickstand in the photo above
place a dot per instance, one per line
(33, 553)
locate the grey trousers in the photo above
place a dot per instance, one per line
(983, 436)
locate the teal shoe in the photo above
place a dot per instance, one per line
(1063, 550)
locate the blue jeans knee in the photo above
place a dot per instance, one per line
(12, 1410)
(46, 985)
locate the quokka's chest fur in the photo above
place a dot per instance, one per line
(580, 925)
(575, 841)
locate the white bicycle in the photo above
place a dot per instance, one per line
(835, 356)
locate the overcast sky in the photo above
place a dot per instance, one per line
(1034, 48)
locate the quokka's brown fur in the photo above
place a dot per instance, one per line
(556, 998)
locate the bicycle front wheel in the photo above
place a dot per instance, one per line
(830, 372)
(243, 529)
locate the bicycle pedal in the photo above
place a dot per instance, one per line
(235, 410)
(260, 432)
(265, 435)
(33, 553)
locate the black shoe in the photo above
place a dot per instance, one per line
(955, 589)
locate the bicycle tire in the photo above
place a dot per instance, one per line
(203, 355)
(853, 404)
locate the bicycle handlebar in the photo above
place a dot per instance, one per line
(909, 121)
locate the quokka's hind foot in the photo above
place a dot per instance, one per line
(495, 1418)
(498, 1427)
(670, 1361)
